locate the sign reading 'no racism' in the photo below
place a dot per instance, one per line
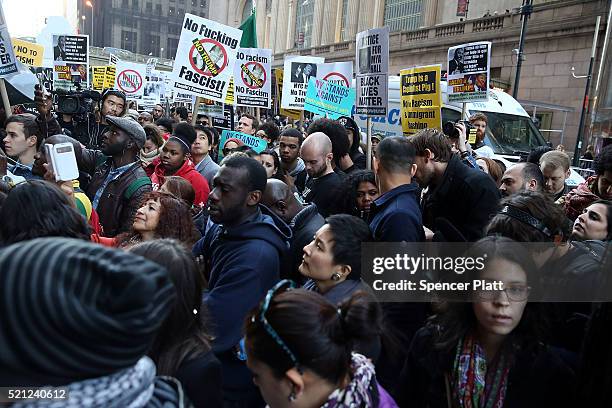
(205, 58)
(253, 77)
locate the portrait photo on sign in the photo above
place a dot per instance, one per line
(301, 72)
(59, 49)
(455, 65)
(78, 72)
(364, 60)
(479, 81)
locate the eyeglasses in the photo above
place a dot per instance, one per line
(226, 152)
(516, 293)
(285, 284)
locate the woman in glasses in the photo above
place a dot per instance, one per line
(488, 351)
(230, 145)
(301, 350)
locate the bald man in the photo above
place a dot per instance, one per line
(304, 220)
(318, 183)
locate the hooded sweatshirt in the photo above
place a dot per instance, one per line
(189, 173)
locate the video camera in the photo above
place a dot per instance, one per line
(450, 130)
(76, 103)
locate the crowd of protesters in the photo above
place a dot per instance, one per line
(163, 276)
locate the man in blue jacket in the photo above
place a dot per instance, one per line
(242, 251)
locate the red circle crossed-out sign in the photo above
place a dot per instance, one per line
(246, 79)
(194, 55)
(336, 76)
(129, 81)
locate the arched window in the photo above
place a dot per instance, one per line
(303, 23)
(402, 15)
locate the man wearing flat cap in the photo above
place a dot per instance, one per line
(118, 180)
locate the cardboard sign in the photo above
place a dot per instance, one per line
(468, 72)
(229, 96)
(253, 77)
(226, 121)
(421, 101)
(297, 73)
(154, 89)
(97, 80)
(8, 63)
(337, 73)
(113, 59)
(253, 142)
(28, 53)
(290, 113)
(328, 99)
(45, 75)
(372, 62)
(70, 61)
(109, 77)
(130, 78)
(205, 58)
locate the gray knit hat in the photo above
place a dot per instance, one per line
(131, 127)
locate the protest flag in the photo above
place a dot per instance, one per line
(249, 31)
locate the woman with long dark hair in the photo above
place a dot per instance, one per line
(182, 347)
(360, 191)
(269, 159)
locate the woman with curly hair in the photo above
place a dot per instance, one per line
(269, 159)
(359, 193)
(162, 215)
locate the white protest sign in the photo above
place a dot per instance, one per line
(151, 62)
(205, 58)
(130, 78)
(8, 63)
(297, 72)
(372, 63)
(468, 72)
(337, 73)
(112, 59)
(253, 77)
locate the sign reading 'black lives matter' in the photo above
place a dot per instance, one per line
(372, 61)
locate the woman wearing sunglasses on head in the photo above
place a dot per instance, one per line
(305, 352)
(488, 351)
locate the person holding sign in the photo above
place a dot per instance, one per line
(479, 121)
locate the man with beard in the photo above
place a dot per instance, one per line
(522, 177)
(321, 182)
(158, 111)
(555, 167)
(118, 180)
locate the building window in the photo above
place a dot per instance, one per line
(174, 29)
(171, 12)
(124, 4)
(154, 47)
(128, 40)
(402, 15)
(345, 22)
(149, 7)
(303, 23)
(202, 3)
(135, 4)
(181, 13)
(158, 9)
(172, 46)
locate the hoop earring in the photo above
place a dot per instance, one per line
(336, 276)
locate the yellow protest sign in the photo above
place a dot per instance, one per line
(97, 82)
(421, 103)
(229, 97)
(28, 53)
(290, 113)
(109, 77)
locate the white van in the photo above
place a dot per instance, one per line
(510, 131)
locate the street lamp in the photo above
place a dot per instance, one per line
(90, 4)
(83, 18)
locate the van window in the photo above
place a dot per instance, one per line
(450, 115)
(508, 134)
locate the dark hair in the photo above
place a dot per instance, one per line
(165, 122)
(432, 139)
(206, 131)
(174, 221)
(608, 205)
(180, 188)
(291, 132)
(183, 334)
(30, 127)
(532, 172)
(37, 209)
(255, 124)
(153, 133)
(396, 154)
(349, 233)
(539, 207)
(182, 112)
(247, 150)
(254, 175)
(278, 174)
(320, 337)
(337, 135)
(348, 195)
(215, 135)
(603, 161)
(535, 154)
(185, 132)
(271, 130)
(454, 320)
(118, 94)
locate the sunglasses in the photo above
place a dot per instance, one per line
(516, 293)
(283, 285)
(226, 152)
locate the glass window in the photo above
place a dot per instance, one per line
(172, 46)
(135, 4)
(128, 40)
(171, 11)
(508, 134)
(402, 15)
(344, 24)
(303, 23)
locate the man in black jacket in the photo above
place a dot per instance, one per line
(460, 200)
(304, 220)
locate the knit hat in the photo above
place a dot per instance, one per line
(72, 310)
(233, 139)
(131, 127)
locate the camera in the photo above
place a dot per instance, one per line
(451, 131)
(76, 103)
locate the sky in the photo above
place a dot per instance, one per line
(25, 18)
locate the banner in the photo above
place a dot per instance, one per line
(70, 61)
(298, 70)
(8, 63)
(251, 141)
(97, 78)
(154, 89)
(45, 75)
(290, 113)
(205, 58)
(109, 77)
(28, 53)
(468, 72)
(327, 99)
(252, 77)
(338, 73)
(112, 59)
(130, 78)
(372, 62)
(421, 100)
(151, 63)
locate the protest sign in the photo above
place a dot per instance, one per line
(205, 58)
(328, 99)
(184, 97)
(224, 122)
(229, 96)
(109, 77)
(113, 59)
(8, 63)
(468, 72)
(212, 111)
(252, 77)
(151, 62)
(251, 141)
(372, 62)
(421, 102)
(28, 53)
(98, 76)
(338, 73)
(70, 61)
(130, 78)
(45, 75)
(298, 71)
(290, 113)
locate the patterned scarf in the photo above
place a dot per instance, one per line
(358, 393)
(474, 385)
